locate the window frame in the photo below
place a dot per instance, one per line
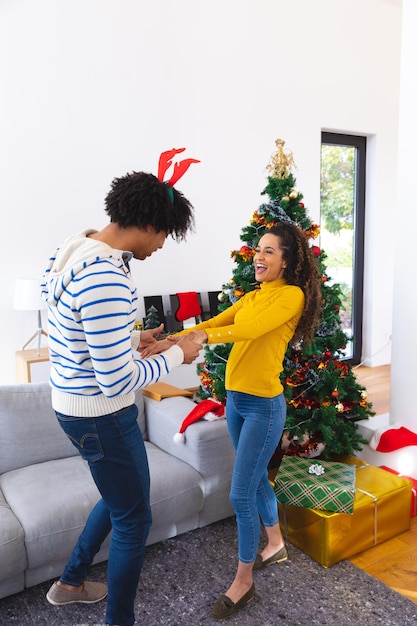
(359, 143)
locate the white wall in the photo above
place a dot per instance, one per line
(403, 239)
(92, 89)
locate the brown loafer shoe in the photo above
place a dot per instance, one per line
(92, 592)
(224, 607)
(278, 557)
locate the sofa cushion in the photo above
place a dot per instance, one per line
(29, 429)
(177, 491)
(207, 445)
(12, 544)
(141, 413)
(52, 501)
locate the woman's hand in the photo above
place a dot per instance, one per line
(200, 336)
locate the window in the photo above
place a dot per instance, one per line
(342, 208)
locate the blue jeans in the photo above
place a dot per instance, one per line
(113, 446)
(255, 427)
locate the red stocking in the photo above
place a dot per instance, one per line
(188, 306)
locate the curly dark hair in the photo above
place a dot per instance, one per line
(301, 270)
(141, 199)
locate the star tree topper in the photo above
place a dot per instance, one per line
(281, 162)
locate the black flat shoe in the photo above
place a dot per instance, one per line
(278, 557)
(224, 607)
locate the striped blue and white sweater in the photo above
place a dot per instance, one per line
(92, 303)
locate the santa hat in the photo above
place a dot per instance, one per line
(394, 438)
(207, 409)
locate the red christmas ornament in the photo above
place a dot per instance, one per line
(335, 393)
(246, 253)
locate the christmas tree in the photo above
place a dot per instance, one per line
(324, 399)
(151, 319)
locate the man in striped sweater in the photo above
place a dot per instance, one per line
(96, 368)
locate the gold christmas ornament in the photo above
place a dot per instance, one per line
(281, 162)
(285, 198)
(293, 194)
(220, 296)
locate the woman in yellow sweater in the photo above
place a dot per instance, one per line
(260, 325)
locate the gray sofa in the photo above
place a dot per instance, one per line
(46, 490)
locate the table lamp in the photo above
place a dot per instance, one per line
(27, 297)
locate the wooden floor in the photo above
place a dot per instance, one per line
(395, 561)
(376, 381)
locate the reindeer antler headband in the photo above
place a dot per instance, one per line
(165, 162)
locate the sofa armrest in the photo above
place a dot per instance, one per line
(207, 446)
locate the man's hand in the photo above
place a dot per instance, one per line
(147, 337)
(190, 344)
(157, 347)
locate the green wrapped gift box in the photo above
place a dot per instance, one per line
(315, 484)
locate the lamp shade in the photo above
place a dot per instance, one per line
(27, 295)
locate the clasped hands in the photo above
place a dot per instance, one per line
(190, 344)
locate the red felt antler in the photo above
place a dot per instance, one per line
(180, 169)
(165, 162)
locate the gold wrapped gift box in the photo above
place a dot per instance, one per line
(413, 481)
(381, 511)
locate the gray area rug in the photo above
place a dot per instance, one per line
(183, 576)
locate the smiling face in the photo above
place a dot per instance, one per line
(268, 260)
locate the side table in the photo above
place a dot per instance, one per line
(26, 358)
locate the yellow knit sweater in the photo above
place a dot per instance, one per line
(260, 325)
